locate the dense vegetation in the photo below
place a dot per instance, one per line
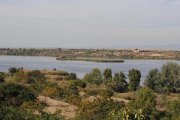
(164, 81)
(98, 96)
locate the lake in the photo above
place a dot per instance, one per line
(78, 67)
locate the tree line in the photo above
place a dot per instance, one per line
(165, 80)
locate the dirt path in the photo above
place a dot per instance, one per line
(67, 110)
(120, 100)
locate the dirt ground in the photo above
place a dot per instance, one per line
(67, 110)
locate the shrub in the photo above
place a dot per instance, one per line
(106, 92)
(49, 91)
(173, 110)
(79, 83)
(144, 100)
(73, 99)
(11, 113)
(2, 77)
(100, 91)
(118, 87)
(15, 113)
(97, 110)
(20, 76)
(59, 93)
(72, 76)
(14, 70)
(35, 76)
(13, 94)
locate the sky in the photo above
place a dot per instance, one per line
(90, 24)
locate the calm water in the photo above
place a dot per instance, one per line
(79, 67)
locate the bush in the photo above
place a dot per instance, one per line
(15, 113)
(60, 93)
(2, 77)
(14, 70)
(106, 93)
(20, 76)
(173, 110)
(100, 91)
(72, 76)
(35, 76)
(118, 87)
(79, 83)
(144, 100)
(13, 94)
(97, 110)
(74, 99)
(11, 113)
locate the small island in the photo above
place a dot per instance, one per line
(102, 60)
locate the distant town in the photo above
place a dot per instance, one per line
(63, 53)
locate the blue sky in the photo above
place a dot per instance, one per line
(90, 23)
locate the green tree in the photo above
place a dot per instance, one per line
(152, 79)
(165, 81)
(94, 77)
(119, 82)
(107, 74)
(169, 80)
(134, 79)
(119, 77)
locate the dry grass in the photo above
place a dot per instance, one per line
(127, 95)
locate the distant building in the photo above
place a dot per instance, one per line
(136, 50)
